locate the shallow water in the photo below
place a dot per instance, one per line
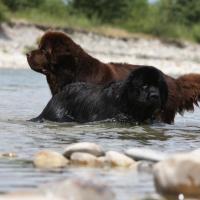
(23, 94)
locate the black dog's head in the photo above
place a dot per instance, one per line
(145, 93)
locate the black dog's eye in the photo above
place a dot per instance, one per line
(145, 87)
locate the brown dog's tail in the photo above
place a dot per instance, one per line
(189, 86)
(184, 93)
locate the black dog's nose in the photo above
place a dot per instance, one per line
(153, 95)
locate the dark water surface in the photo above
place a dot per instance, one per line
(23, 95)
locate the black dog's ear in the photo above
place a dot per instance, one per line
(129, 88)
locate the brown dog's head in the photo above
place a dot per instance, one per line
(56, 57)
(38, 61)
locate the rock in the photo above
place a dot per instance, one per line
(49, 159)
(80, 189)
(179, 174)
(102, 162)
(145, 166)
(116, 159)
(75, 189)
(84, 147)
(145, 154)
(8, 155)
(85, 159)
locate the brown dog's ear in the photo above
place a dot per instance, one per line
(58, 57)
(49, 50)
(62, 61)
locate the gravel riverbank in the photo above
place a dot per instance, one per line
(173, 59)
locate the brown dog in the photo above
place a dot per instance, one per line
(63, 62)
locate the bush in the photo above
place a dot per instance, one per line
(173, 19)
(53, 7)
(3, 11)
(106, 10)
(15, 5)
(196, 33)
(185, 12)
(139, 16)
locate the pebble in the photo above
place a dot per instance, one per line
(179, 174)
(145, 154)
(84, 147)
(85, 159)
(49, 159)
(8, 155)
(116, 159)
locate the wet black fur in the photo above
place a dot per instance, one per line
(137, 98)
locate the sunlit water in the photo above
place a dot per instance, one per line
(23, 95)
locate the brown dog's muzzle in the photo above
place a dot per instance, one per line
(37, 61)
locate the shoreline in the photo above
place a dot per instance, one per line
(173, 59)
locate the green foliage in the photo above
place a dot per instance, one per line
(53, 7)
(138, 19)
(106, 10)
(175, 19)
(15, 5)
(62, 20)
(181, 11)
(3, 11)
(196, 32)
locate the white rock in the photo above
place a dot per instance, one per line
(84, 147)
(80, 189)
(145, 166)
(85, 159)
(49, 159)
(145, 154)
(116, 159)
(102, 161)
(72, 189)
(179, 174)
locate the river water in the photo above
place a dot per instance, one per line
(23, 95)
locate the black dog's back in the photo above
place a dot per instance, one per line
(87, 102)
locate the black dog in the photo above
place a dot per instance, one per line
(137, 98)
